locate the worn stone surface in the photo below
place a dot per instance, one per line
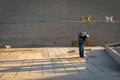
(117, 49)
(57, 64)
(114, 52)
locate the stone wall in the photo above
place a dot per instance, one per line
(27, 11)
(37, 23)
(57, 34)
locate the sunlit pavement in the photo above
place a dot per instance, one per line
(57, 63)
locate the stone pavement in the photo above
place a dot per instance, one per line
(57, 63)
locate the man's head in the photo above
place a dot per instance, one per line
(82, 34)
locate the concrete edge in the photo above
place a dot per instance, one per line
(114, 44)
(112, 52)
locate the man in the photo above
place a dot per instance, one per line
(81, 41)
